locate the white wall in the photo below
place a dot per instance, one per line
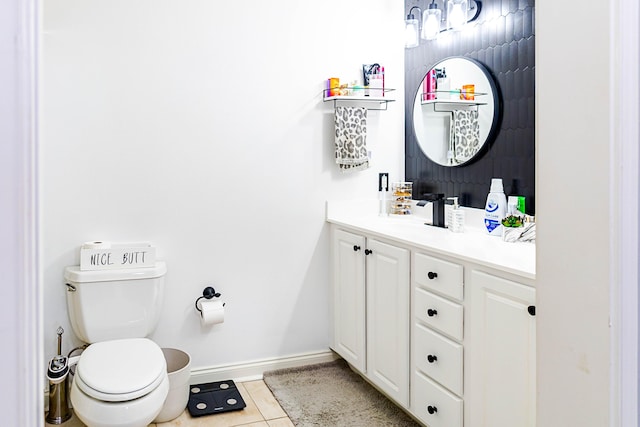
(581, 270)
(10, 229)
(200, 126)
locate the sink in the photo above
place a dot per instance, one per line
(422, 215)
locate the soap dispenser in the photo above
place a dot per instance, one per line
(455, 217)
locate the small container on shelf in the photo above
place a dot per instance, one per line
(401, 198)
(333, 84)
(468, 92)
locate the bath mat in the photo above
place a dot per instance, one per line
(331, 394)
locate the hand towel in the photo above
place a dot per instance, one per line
(466, 135)
(451, 142)
(351, 138)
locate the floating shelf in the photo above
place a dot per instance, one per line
(452, 101)
(379, 100)
(449, 105)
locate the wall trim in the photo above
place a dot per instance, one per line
(28, 306)
(625, 134)
(249, 371)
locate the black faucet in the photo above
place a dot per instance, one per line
(437, 202)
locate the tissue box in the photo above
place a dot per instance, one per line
(116, 256)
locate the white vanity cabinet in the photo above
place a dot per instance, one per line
(502, 346)
(442, 323)
(370, 310)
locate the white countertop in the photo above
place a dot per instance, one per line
(473, 245)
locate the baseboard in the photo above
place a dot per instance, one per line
(250, 371)
(247, 371)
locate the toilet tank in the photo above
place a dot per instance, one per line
(113, 304)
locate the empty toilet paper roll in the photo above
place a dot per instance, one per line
(212, 312)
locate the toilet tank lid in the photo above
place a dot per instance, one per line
(74, 274)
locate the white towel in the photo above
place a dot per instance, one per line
(451, 144)
(466, 135)
(351, 138)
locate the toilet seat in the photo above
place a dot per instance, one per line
(121, 370)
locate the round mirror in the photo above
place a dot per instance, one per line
(456, 110)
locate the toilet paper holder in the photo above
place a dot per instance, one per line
(208, 293)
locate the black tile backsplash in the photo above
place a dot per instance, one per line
(503, 39)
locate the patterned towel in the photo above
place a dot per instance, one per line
(351, 138)
(466, 135)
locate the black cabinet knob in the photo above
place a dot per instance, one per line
(356, 247)
(431, 275)
(532, 310)
(431, 312)
(432, 409)
(432, 358)
(368, 251)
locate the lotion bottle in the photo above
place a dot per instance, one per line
(455, 218)
(495, 209)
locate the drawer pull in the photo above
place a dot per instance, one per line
(431, 312)
(431, 275)
(356, 248)
(432, 409)
(431, 358)
(368, 251)
(532, 310)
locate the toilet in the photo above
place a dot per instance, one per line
(121, 378)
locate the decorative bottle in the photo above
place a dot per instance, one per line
(455, 218)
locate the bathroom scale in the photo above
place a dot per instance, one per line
(213, 398)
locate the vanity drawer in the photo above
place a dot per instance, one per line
(434, 405)
(438, 357)
(440, 276)
(439, 313)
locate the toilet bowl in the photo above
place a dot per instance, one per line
(121, 379)
(120, 383)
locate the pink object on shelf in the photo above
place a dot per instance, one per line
(429, 86)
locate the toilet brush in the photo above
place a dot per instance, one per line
(57, 374)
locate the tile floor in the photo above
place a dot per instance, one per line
(262, 411)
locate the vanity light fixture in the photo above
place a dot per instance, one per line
(457, 13)
(412, 29)
(431, 22)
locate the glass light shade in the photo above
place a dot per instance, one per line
(431, 23)
(411, 31)
(457, 13)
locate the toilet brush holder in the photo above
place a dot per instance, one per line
(59, 410)
(58, 376)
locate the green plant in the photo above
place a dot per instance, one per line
(513, 221)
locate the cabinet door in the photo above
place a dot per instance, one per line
(502, 353)
(388, 319)
(349, 297)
